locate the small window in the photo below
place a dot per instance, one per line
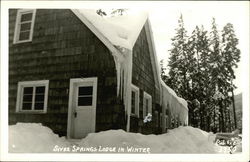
(147, 104)
(24, 25)
(85, 96)
(134, 101)
(32, 96)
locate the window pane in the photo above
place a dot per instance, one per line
(133, 103)
(84, 101)
(24, 35)
(25, 26)
(26, 17)
(27, 106)
(39, 98)
(27, 90)
(85, 90)
(39, 106)
(27, 98)
(40, 90)
(146, 106)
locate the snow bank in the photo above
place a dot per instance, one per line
(31, 138)
(179, 140)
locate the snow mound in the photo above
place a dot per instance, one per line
(179, 140)
(33, 137)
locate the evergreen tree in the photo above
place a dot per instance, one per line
(199, 73)
(101, 12)
(178, 61)
(163, 73)
(201, 70)
(231, 55)
(215, 58)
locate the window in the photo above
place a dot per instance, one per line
(24, 25)
(134, 101)
(85, 96)
(32, 96)
(147, 104)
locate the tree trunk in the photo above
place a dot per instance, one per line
(229, 120)
(221, 117)
(235, 121)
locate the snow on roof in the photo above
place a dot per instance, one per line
(119, 30)
(123, 31)
(172, 93)
(176, 105)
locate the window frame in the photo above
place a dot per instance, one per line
(137, 100)
(147, 96)
(21, 86)
(20, 12)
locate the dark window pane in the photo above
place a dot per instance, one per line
(26, 17)
(84, 101)
(25, 26)
(146, 106)
(27, 90)
(133, 103)
(24, 35)
(133, 109)
(85, 90)
(27, 98)
(40, 90)
(27, 106)
(39, 98)
(39, 106)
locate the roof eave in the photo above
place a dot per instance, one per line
(98, 34)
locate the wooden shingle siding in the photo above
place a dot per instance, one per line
(143, 78)
(62, 48)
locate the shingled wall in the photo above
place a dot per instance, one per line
(143, 78)
(62, 48)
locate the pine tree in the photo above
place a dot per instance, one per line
(101, 12)
(178, 61)
(231, 55)
(215, 58)
(163, 73)
(199, 72)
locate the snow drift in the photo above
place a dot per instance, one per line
(35, 138)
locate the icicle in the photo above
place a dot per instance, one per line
(118, 73)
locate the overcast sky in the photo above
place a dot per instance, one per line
(164, 20)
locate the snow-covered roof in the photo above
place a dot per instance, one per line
(122, 30)
(172, 93)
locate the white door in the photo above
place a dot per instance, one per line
(83, 107)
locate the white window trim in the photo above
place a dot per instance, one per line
(17, 27)
(23, 84)
(137, 99)
(147, 96)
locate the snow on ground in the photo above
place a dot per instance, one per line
(33, 137)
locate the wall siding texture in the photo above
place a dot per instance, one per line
(63, 48)
(143, 77)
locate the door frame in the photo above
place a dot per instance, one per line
(73, 83)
